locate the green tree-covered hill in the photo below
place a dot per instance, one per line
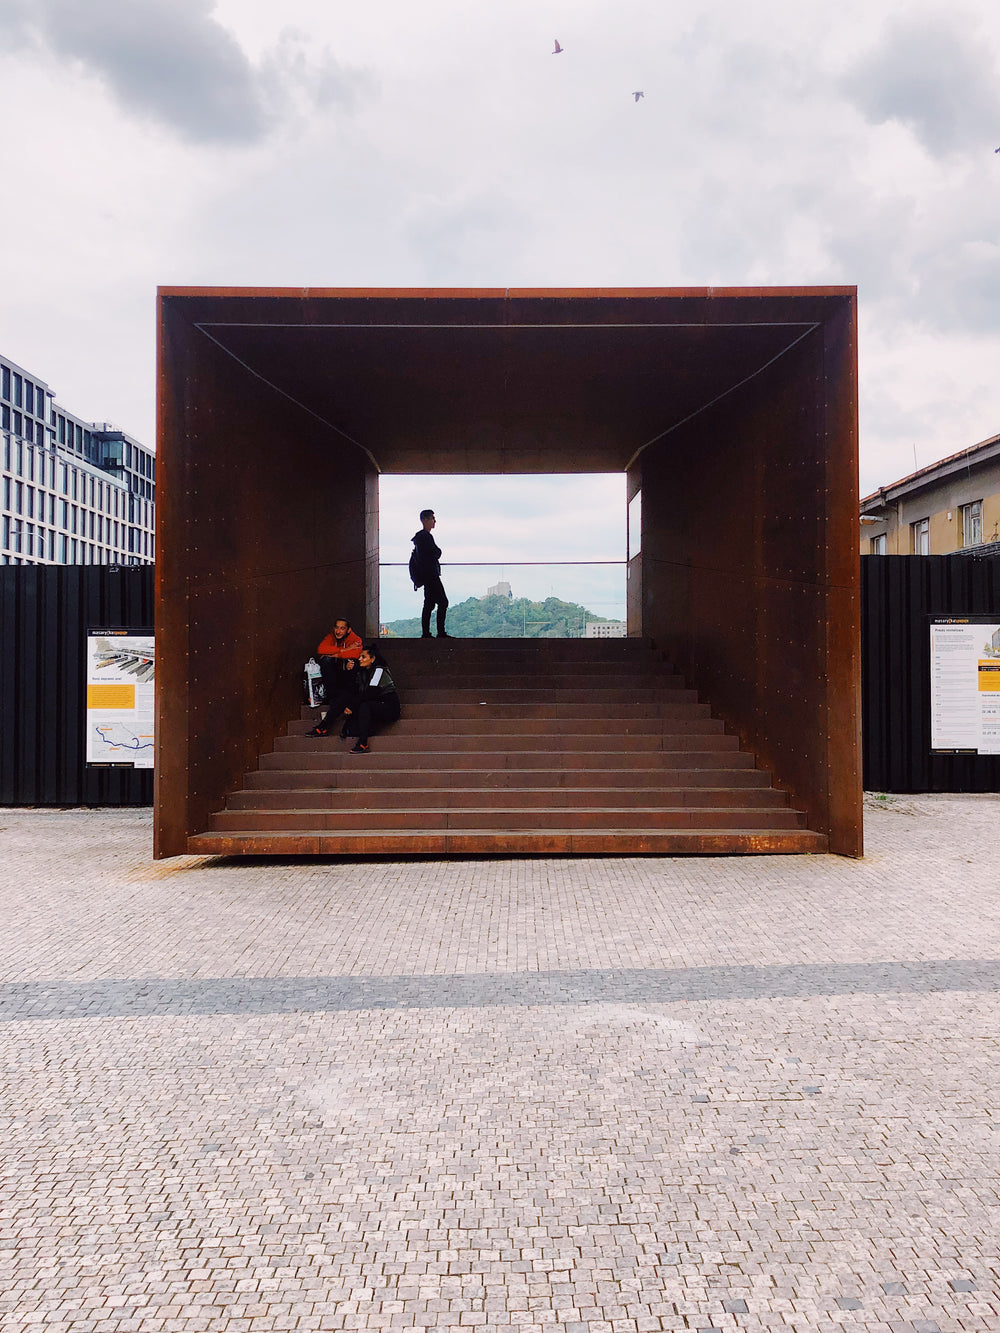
(503, 618)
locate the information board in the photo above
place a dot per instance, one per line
(120, 677)
(965, 684)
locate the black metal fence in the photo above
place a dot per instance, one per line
(45, 611)
(898, 594)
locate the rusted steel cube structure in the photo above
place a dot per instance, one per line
(733, 411)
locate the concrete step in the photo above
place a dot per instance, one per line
(336, 755)
(392, 741)
(512, 819)
(607, 698)
(368, 795)
(623, 729)
(365, 778)
(558, 710)
(522, 748)
(552, 677)
(574, 650)
(494, 842)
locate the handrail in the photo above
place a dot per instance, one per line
(597, 588)
(504, 564)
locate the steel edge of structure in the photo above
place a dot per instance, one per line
(185, 416)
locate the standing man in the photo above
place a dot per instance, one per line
(425, 571)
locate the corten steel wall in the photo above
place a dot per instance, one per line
(266, 507)
(45, 612)
(749, 577)
(898, 594)
(266, 531)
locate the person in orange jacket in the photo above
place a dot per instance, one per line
(337, 655)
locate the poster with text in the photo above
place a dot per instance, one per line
(120, 670)
(965, 685)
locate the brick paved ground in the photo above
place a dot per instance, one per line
(602, 1095)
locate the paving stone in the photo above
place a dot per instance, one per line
(408, 1094)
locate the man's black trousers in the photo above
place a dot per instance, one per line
(434, 596)
(338, 684)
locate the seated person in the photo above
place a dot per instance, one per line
(337, 656)
(376, 703)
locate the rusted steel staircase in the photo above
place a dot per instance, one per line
(509, 747)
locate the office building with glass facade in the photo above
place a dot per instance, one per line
(73, 492)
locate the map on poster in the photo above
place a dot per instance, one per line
(120, 668)
(965, 685)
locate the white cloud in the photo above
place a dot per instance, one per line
(308, 144)
(932, 71)
(172, 62)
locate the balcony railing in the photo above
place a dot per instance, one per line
(597, 586)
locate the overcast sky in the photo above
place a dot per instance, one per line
(322, 143)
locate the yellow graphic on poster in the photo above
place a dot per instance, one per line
(120, 676)
(989, 702)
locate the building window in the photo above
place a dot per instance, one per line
(920, 537)
(5, 382)
(971, 530)
(29, 397)
(877, 544)
(18, 386)
(5, 417)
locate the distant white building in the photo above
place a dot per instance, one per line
(74, 492)
(606, 629)
(500, 589)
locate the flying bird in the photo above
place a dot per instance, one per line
(637, 95)
(557, 49)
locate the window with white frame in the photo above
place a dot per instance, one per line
(877, 544)
(921, 536)
(971, 530)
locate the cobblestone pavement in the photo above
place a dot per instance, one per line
(561, 1095)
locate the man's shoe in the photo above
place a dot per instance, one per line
(318, 731)
(344, 733)
(358, 749)
(428, 635)
(442, 635)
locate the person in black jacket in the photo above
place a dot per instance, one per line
(425, 570)
(377, 701)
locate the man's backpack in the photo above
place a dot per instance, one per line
(416, 573)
